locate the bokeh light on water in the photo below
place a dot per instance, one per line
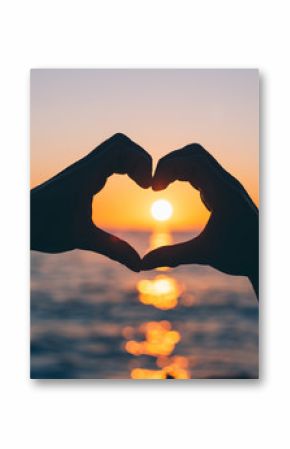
(161, 292)
(159, 342)
(160, 339)
(175, 367)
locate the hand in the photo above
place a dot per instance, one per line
(229, 241)
(61, 208)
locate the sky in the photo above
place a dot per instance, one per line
(74, 110)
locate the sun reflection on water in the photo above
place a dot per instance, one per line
(160, 339)
(161, 292)
(176, 367)
(158, 239)
(160, 342)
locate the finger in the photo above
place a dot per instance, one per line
(197, 152)
(131, 159)
(195, 165)
(190, 163)
(111, 246)
(174, 255)
(119, 154)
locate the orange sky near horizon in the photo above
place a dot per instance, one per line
(72, 111)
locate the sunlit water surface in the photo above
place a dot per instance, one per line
(93, 318)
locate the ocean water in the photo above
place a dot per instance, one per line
(93, 318)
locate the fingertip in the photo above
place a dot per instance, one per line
(142, 170)
(134, 264)
(158, 185)
(147, 263)
(131, 259)
(159, 181)
(134, 269)
(146, 266)
(145, 182)
(118, 250)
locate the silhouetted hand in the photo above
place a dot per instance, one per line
(229, 241)
(61, 208)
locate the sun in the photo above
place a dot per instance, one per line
(161, 210)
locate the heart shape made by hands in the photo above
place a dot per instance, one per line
(61, 208)
(228, 239)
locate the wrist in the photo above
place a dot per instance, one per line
(253, 271)
(254, 279)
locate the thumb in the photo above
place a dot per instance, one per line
(111, 246)
(173, 255)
